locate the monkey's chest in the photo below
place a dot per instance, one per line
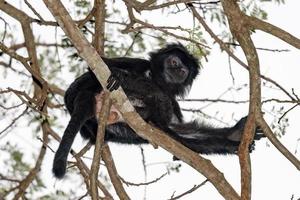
(136, 102)
(140, 106)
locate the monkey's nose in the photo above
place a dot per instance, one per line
(183, 71)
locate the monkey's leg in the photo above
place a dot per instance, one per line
(208, 140)
(211, 145)
(86, 132)
(83, 110)
(203, 140)
(121, 133)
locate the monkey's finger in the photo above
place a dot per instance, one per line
(116, 85)
(113, 85)
(110, 78)
(110, 84)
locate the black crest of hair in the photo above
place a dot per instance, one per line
(152, 87)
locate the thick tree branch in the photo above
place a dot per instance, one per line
(99, 14)
(242, 33)
(104, 113)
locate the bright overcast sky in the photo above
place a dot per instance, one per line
(274, 177)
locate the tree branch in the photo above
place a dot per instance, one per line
(104, 113)
(224, 47)
(113, 174)
(256, 23)
(24, 184)
(242, 33)
(98, 40)
(269, 133)
(84, 170)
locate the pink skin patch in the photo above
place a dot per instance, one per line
(114, 115)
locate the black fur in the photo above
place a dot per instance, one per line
(152, 86)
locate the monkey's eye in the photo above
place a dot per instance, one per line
(174, 63)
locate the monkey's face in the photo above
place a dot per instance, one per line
(173, 68)
(175, 71)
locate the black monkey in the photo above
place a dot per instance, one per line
(151, 86)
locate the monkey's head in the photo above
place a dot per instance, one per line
(173, 68)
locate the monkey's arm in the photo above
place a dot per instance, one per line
(134, 65)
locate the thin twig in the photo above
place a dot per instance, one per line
(189, 191)
(146, 183)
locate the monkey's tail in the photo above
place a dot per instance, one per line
(61, 155)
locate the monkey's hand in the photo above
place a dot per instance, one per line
(113, 82)
(115, 79)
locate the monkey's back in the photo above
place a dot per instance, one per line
(85, 82)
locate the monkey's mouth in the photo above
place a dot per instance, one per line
(176, 74)
(180, 70)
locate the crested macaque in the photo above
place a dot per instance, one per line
(152, 87)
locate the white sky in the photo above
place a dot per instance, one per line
(274, 177)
